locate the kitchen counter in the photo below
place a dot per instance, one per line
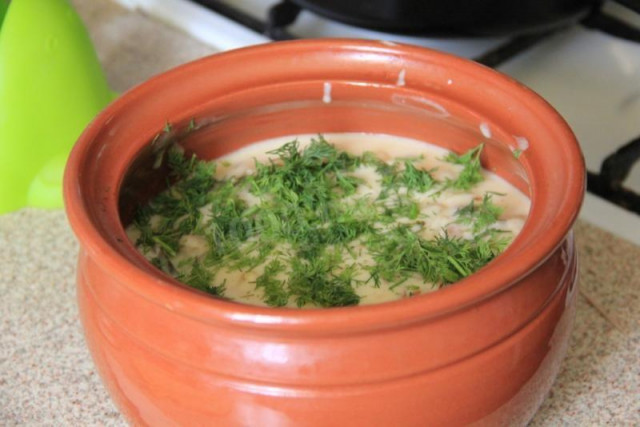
(46, 373)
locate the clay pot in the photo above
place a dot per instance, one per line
(484, 350)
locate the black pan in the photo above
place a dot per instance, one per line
(454, 17)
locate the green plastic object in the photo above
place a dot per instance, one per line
(51, 86)
(4, 4)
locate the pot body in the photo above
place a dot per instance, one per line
(491, 363)
(484, 350)
(454, 17)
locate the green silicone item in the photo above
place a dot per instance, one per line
(51, 86)
(3, 9)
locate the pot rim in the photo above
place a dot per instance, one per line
(172, 295)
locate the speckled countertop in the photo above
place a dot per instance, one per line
(46, 373)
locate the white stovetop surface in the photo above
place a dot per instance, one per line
(591, 78)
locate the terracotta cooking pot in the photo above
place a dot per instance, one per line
(484, 350)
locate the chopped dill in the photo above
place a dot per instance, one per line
(480, 216)
(443, 260)
(472, 169)
(275, 293)
(201, 278)
(314, 281)
(301, 218)
(416, 179)
(409, 177)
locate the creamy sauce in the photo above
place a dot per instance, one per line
(438, 213)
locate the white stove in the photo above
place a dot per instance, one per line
(591, 78)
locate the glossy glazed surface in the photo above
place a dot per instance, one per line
(485, 350)
(161, 368)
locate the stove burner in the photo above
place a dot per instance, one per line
(608, 183)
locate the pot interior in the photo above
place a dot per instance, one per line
(241, 120)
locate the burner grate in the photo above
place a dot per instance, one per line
(280, 16)
(615, 169)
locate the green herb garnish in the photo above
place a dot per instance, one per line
(441, 261)
(416, 179)
(201, 278)
(472, 169)
(314, 281)
(275, 293)
(307, 226)
(480, 215)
